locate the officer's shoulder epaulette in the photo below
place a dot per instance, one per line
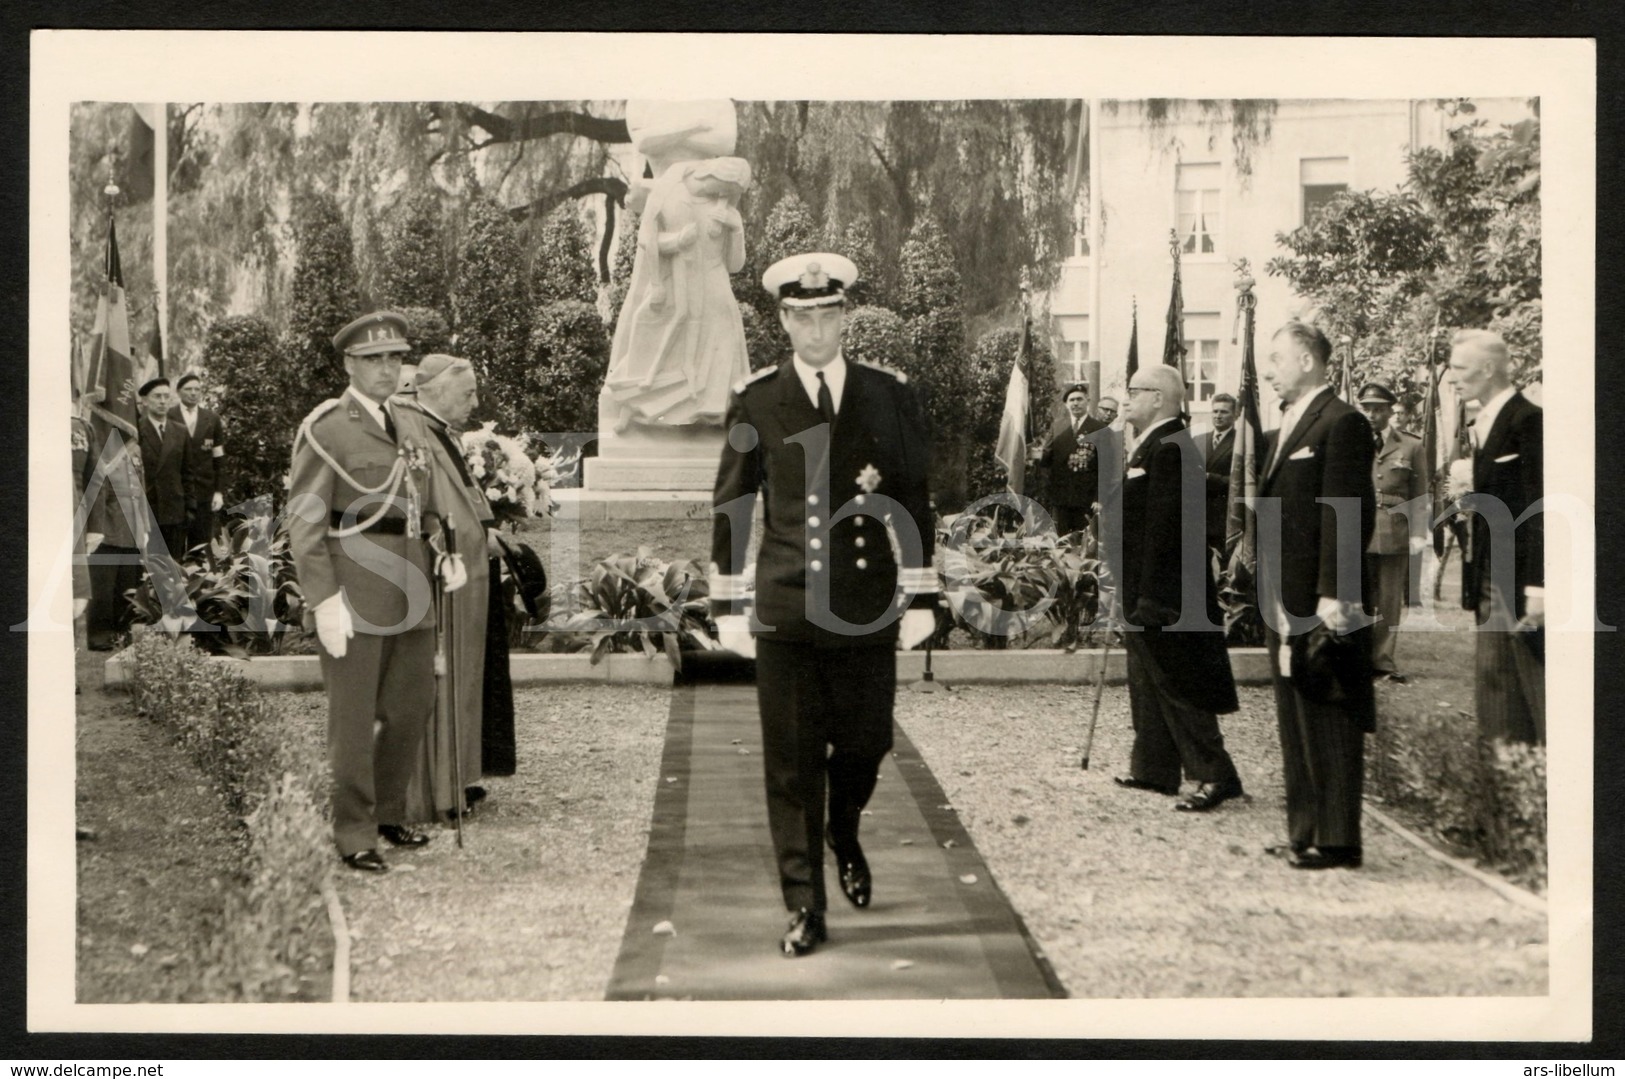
(321, 410)
(756, 376)
(900, 376)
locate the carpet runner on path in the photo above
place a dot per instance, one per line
(938, 927)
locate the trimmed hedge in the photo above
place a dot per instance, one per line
(1485, 798)
(273, 926)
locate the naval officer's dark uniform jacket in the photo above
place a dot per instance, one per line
(829, 589)
(1179, 678)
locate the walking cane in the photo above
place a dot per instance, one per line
(446, 691)
(1100, 688)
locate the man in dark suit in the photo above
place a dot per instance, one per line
(840, 452)
(1503, 578)
(1218, 450)
(1073, 463)
(205, 458)
(1179, 674)
(1401, 476)
(165, 471)
(1317, 487)
(358, 496)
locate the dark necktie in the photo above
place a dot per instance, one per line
(389, 423)
(826, 400)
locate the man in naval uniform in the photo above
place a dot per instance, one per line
(1401, 475)
(839, 451)
(355, 527)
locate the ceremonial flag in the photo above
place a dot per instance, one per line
(1245, 458)
(1015, 424)
(155, 343)
(1133, 345)
(1345, 388)
(110, 395)
(1430, 424)
(1173, 339)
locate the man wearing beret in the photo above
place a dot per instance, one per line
(445, 395)
(1401, 475)
(839, 452)
(1316, 483)
(356, 510)
(205, 458)
(165, 470)
(1073, 463)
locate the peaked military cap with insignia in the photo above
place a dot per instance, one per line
(1378, 394)
(381, 331)
(810, 280)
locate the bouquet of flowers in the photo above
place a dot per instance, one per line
(502, 466)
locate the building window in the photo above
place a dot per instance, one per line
(1080, 229)
(1075, 365)
(1201, 368)
(1199, 209)
(1322, 180)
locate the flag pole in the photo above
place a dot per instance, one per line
(160, 226)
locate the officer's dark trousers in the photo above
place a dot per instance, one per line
(825, 712)
(1511, 668)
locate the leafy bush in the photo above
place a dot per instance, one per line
(875, 335)
(492, 313)
(412, 271)
(251, 373)
(990, 365)
(326, 297)
(857, 242)
(569, 356)
(427, 331)
(634, 602)
(1488, 799)
(562, 259)
(272, 929)
(620, 266)
(766, 343)
(249, 603)
(1013, 585)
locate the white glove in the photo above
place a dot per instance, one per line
(1338, 616)
(1534, 611)
(733, 633)
(918, 624)
(1418, 544)
(333, 625)
(453, 574)
(216, 502)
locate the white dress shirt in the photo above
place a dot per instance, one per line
(1486, 416)
(190, 416)
(1289, 422)
(834, 373)
(373, 407)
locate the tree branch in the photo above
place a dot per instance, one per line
(560, 122)
(612, 186)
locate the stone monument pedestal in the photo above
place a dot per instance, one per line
(663, 459)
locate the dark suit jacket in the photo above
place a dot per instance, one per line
(1153, 572)
(1217, 455)
(1509, 469)
(164, 471)
(1070, 486)
(1328, 455)
(839, 541)
(207, 468)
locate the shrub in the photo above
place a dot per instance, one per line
(491, 312)
(251, 372)
(620, 267)
(569, 356)
(562, 261)
(857, 242)
(248, 603)
(271, 930)
(766, 343)
(1488, 799)
(412, 271)
(633, 602)
(325, 298)
(428, 332)
(989, 378)
(875, 335)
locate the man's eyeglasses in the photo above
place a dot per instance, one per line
(1108, 412)
(1132, 390)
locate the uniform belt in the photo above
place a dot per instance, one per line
(1388, 501)
(384, 526)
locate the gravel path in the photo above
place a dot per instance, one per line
(533, 906)
(1130, 899)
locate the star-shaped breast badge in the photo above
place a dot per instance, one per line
(869, 479)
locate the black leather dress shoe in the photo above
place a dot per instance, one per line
(367, 861)
(1395, 676)
(1141, 785)
(853, 868)
(1327, 858)
(806, 932)
(402, 836)
(1209, 796)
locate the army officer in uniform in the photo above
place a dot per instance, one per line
(355, 527)
(1400, 476)
(839, 451)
